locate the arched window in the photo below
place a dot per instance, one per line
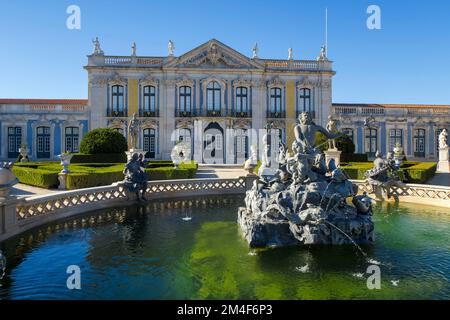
(185, 101)
(14, 141)
(149, 143)
(275, 103)
(304, 101)
(71, 139)
(348, 132)
(117, 101)
(371, 141)
(149, 101)
(213, 96)
(419, 143)
(241, 101)
(395, 136)
(43, 142)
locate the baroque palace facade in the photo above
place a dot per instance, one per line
(214, 98)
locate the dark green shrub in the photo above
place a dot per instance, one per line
(355, 157)
(93, 179)
(344, 143)
(103, 140)
(36, 177)
(99, 158)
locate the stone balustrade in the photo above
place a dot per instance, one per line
(20, 214)
(386, 111)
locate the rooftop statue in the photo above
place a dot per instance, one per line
(97, 49)
(305, 202)
(255, 51)
(170, 48)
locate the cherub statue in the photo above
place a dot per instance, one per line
(135, 177)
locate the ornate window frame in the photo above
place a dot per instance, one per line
(223, 86)
(117, 80)
(148, 82)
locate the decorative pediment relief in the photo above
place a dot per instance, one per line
(99, 81)
(206, 81)
(149, 123)
(242, 83)
(275, 82)
(149, 81)
(184, 81)
(184, 123)
(116, 123)
(242, 124)
(214, 54)
(307, 83)
(116, 79)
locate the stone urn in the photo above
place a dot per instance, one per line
(65, 162)
(7, 179)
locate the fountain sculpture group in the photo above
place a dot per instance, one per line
(305, 201)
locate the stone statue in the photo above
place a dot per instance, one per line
(383, 176)
(2, 265)
(251, 163)
(323, 54)
(133, 131)
(171, 48)
(97, 50)
(135, 176)
(290, 54)
(443, 139)
(305, 134)
(332, 128)
(305, 201)
(255, 51)
(7, 179)
(133, 49)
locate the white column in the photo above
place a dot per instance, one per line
(198, 141)
(229, 136)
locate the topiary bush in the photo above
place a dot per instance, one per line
(103, 140)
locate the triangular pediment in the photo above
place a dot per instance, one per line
(214, 54)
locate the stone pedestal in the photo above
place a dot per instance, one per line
(333, 154)
(444, 161)
(132, 151)
(62, 178)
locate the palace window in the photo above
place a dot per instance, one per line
(371, 141)
(241, 101)
(213, 96)
(185, 101)
(72, 139)
(304, 101)
(149, 101)
(241, 145)
(14, 141)
(149, 143)
(184, 135)
(43, 142)
(348, 132)
(117, 99)
(395, 136)
(419, 143)
(275, 103)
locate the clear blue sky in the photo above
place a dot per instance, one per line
(405, 62)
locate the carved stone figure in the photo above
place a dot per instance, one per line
(383, 176)
(332, 128)
(97, 49)
(7, 179)
(133, 49)
(255, 51)
(251, 163)
(290, 54)
(443, 139)
(133, 131)
(305, 202)
(323, 54)
(135, 176)
(171, 48)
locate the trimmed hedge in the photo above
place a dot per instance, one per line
(99, 158)
(355, 157)
(103, 140)
(86, 175)
(410, 171)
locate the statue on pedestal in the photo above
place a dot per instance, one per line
(171, 48)
(97, 49)
(443, 139)
(332, 128)
(135, 176)
(133, 131)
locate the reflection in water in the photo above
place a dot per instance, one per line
(149, 252)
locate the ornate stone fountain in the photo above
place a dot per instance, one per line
(305, 201)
